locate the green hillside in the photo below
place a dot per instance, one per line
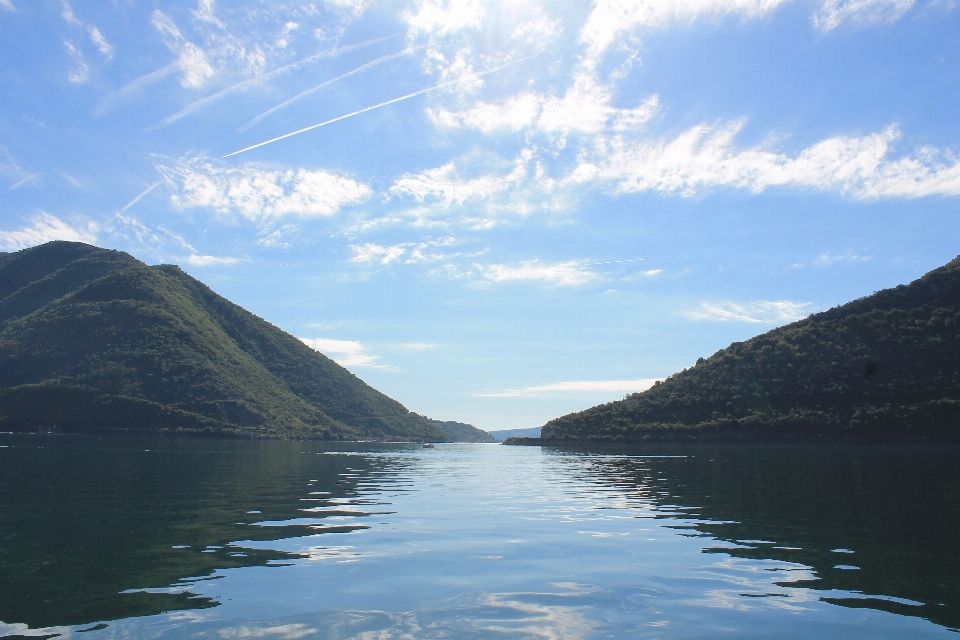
(462, 432)
(95, 340)
(884, 368)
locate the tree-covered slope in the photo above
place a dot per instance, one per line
(92, 340)
(882, 368)
(462, 432)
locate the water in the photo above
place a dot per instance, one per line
(164, 538)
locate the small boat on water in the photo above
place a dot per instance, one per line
(428, 445)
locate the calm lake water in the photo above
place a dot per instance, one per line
(169, 538)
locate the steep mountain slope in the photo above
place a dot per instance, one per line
(882, 368)
(92, 339)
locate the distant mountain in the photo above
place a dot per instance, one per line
(503, 434)
(884, 368)
(462, 432)
(95, 340)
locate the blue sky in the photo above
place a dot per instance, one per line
(559, 203)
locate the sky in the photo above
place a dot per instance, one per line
(494, 212)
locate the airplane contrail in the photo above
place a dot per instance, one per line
(143, 193)
(135, 85)
(202, 102)
(300, 95)
(19, 183)
(371, 108)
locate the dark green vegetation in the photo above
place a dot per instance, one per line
(95, 340)
(462, 432)
(884, 368)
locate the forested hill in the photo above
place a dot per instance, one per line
(462, 432)
(884, 368)
(95, 340)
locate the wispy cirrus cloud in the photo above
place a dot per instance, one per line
(582, 386)
(372, 253)
(346, 353)
(757, 312)
(564, 274)
(256, 193)
(585, 107)
(211, 261)
(414, 346)
(827, 259)
(610, 20)
(424, 251)
(442, 17)
(192, 61)
(833, 13)
(445, 186)
(45, 227)
(706, 156)
(80, 72)
(104, 47)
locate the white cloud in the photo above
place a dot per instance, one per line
(759, 312)
(827, 259)
(415, 346)
(441, 17)
(416, 252)
(612, 18)
(44, 228)
(278, 238)
(131, 230)
(584, 108)
(565, 274)
(7, 5)
(256, 193)
(374, 253)
(354, 7)
(652, 272)
(192, 60)
(96, 37)
(101, 43)
(445, 185)
(833, 13)
(583, 386)
(80, 72)
(705, 156)
(194, 65)
(210, 261)
(514, 113)
(346, 353)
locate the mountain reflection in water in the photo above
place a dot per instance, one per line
(152, 537)
(878, 522)
(105, 528)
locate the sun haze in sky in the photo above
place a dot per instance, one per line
(494, 212)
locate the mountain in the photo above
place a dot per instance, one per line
(462, 432)
(503, 434)
(884, 368)
(95, 340)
